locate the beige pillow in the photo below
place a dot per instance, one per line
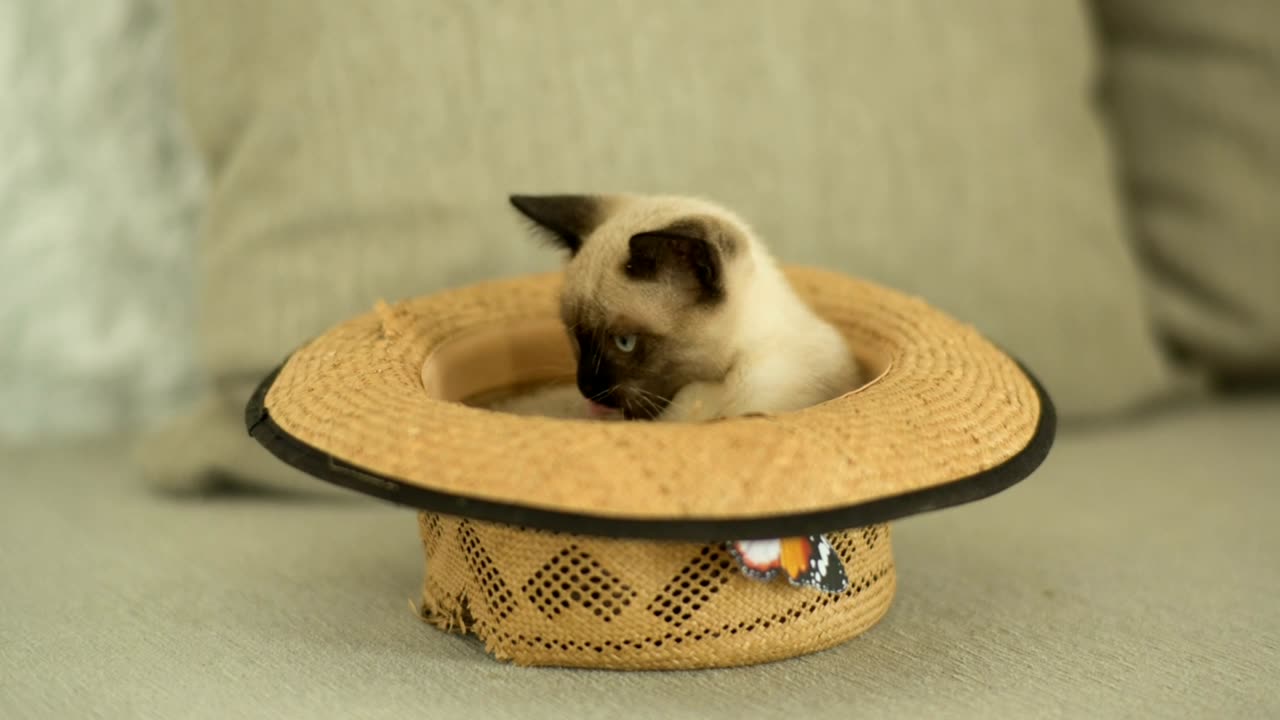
(365, 150)
(1193, 88)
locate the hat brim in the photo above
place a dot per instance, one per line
(374, 405)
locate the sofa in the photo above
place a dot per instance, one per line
(1091, 184)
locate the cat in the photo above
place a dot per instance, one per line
(677, 312)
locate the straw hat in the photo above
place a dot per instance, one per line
(390, 404)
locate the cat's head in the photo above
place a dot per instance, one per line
(649, 291)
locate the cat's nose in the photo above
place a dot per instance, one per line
(596, 386)
(592, 390)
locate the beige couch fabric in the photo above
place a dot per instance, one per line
(1133, 576)
(1193, 88)
(360, 151)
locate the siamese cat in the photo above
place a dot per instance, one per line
(677, 312)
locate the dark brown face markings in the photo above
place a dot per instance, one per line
(643, 381)
(678, 268)
(689, 253)
(634, 381)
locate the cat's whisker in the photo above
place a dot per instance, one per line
(652, 396)
(653, 407)
(646, 399)
(652, 401)
(602, 393)
(656, 396)
(648, 404)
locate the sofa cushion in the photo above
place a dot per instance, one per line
(360, 151)
(1193, 91)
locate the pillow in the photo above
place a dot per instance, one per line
(365, 151)
(1193, 93)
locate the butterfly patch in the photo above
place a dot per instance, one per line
(808, 561)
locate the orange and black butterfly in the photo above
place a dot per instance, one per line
(808, 561)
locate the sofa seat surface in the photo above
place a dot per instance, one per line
(1136, 574)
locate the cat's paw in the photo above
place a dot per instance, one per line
(696, 402)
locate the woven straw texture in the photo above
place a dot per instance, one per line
(944, 404)
(540, 598)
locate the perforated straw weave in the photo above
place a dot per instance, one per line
(541, 598)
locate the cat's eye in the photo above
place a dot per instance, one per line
(625, 343)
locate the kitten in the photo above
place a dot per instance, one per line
(678, 312)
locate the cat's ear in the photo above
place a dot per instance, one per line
(690, 252)
(564, 219)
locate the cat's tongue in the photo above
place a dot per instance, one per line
(596, 410)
